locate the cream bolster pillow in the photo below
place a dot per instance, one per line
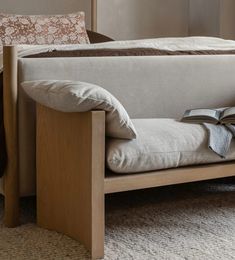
(75, 96)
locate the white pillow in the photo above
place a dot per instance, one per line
(75, 96)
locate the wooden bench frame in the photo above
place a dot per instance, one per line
(71, 180)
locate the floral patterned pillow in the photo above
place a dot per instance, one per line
(43, 29)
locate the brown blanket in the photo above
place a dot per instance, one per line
(125, 52)
(93, 53)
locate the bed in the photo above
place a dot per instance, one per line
(165, 68)
(171, 71)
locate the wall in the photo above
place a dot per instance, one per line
(46, 7)
(227, 19)
(133, 19)
(204, 17)
(212, 17)
(121, 19)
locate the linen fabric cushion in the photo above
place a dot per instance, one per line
(75, 96)
(43, 29)
(162, 144)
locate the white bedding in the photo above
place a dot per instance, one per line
(170, 44)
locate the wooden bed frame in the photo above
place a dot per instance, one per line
(10, 103)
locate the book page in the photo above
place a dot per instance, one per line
(228, 112)
(201, 112)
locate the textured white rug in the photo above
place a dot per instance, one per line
(194, 221)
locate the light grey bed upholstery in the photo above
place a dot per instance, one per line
(147, 87)
(164, 86)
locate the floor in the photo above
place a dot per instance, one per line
(194, 221)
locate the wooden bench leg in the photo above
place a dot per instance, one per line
(70, 175)
(11, 204)
(10, 99)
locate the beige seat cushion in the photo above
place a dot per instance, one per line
(161, 144)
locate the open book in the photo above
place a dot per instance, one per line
(213, 116)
